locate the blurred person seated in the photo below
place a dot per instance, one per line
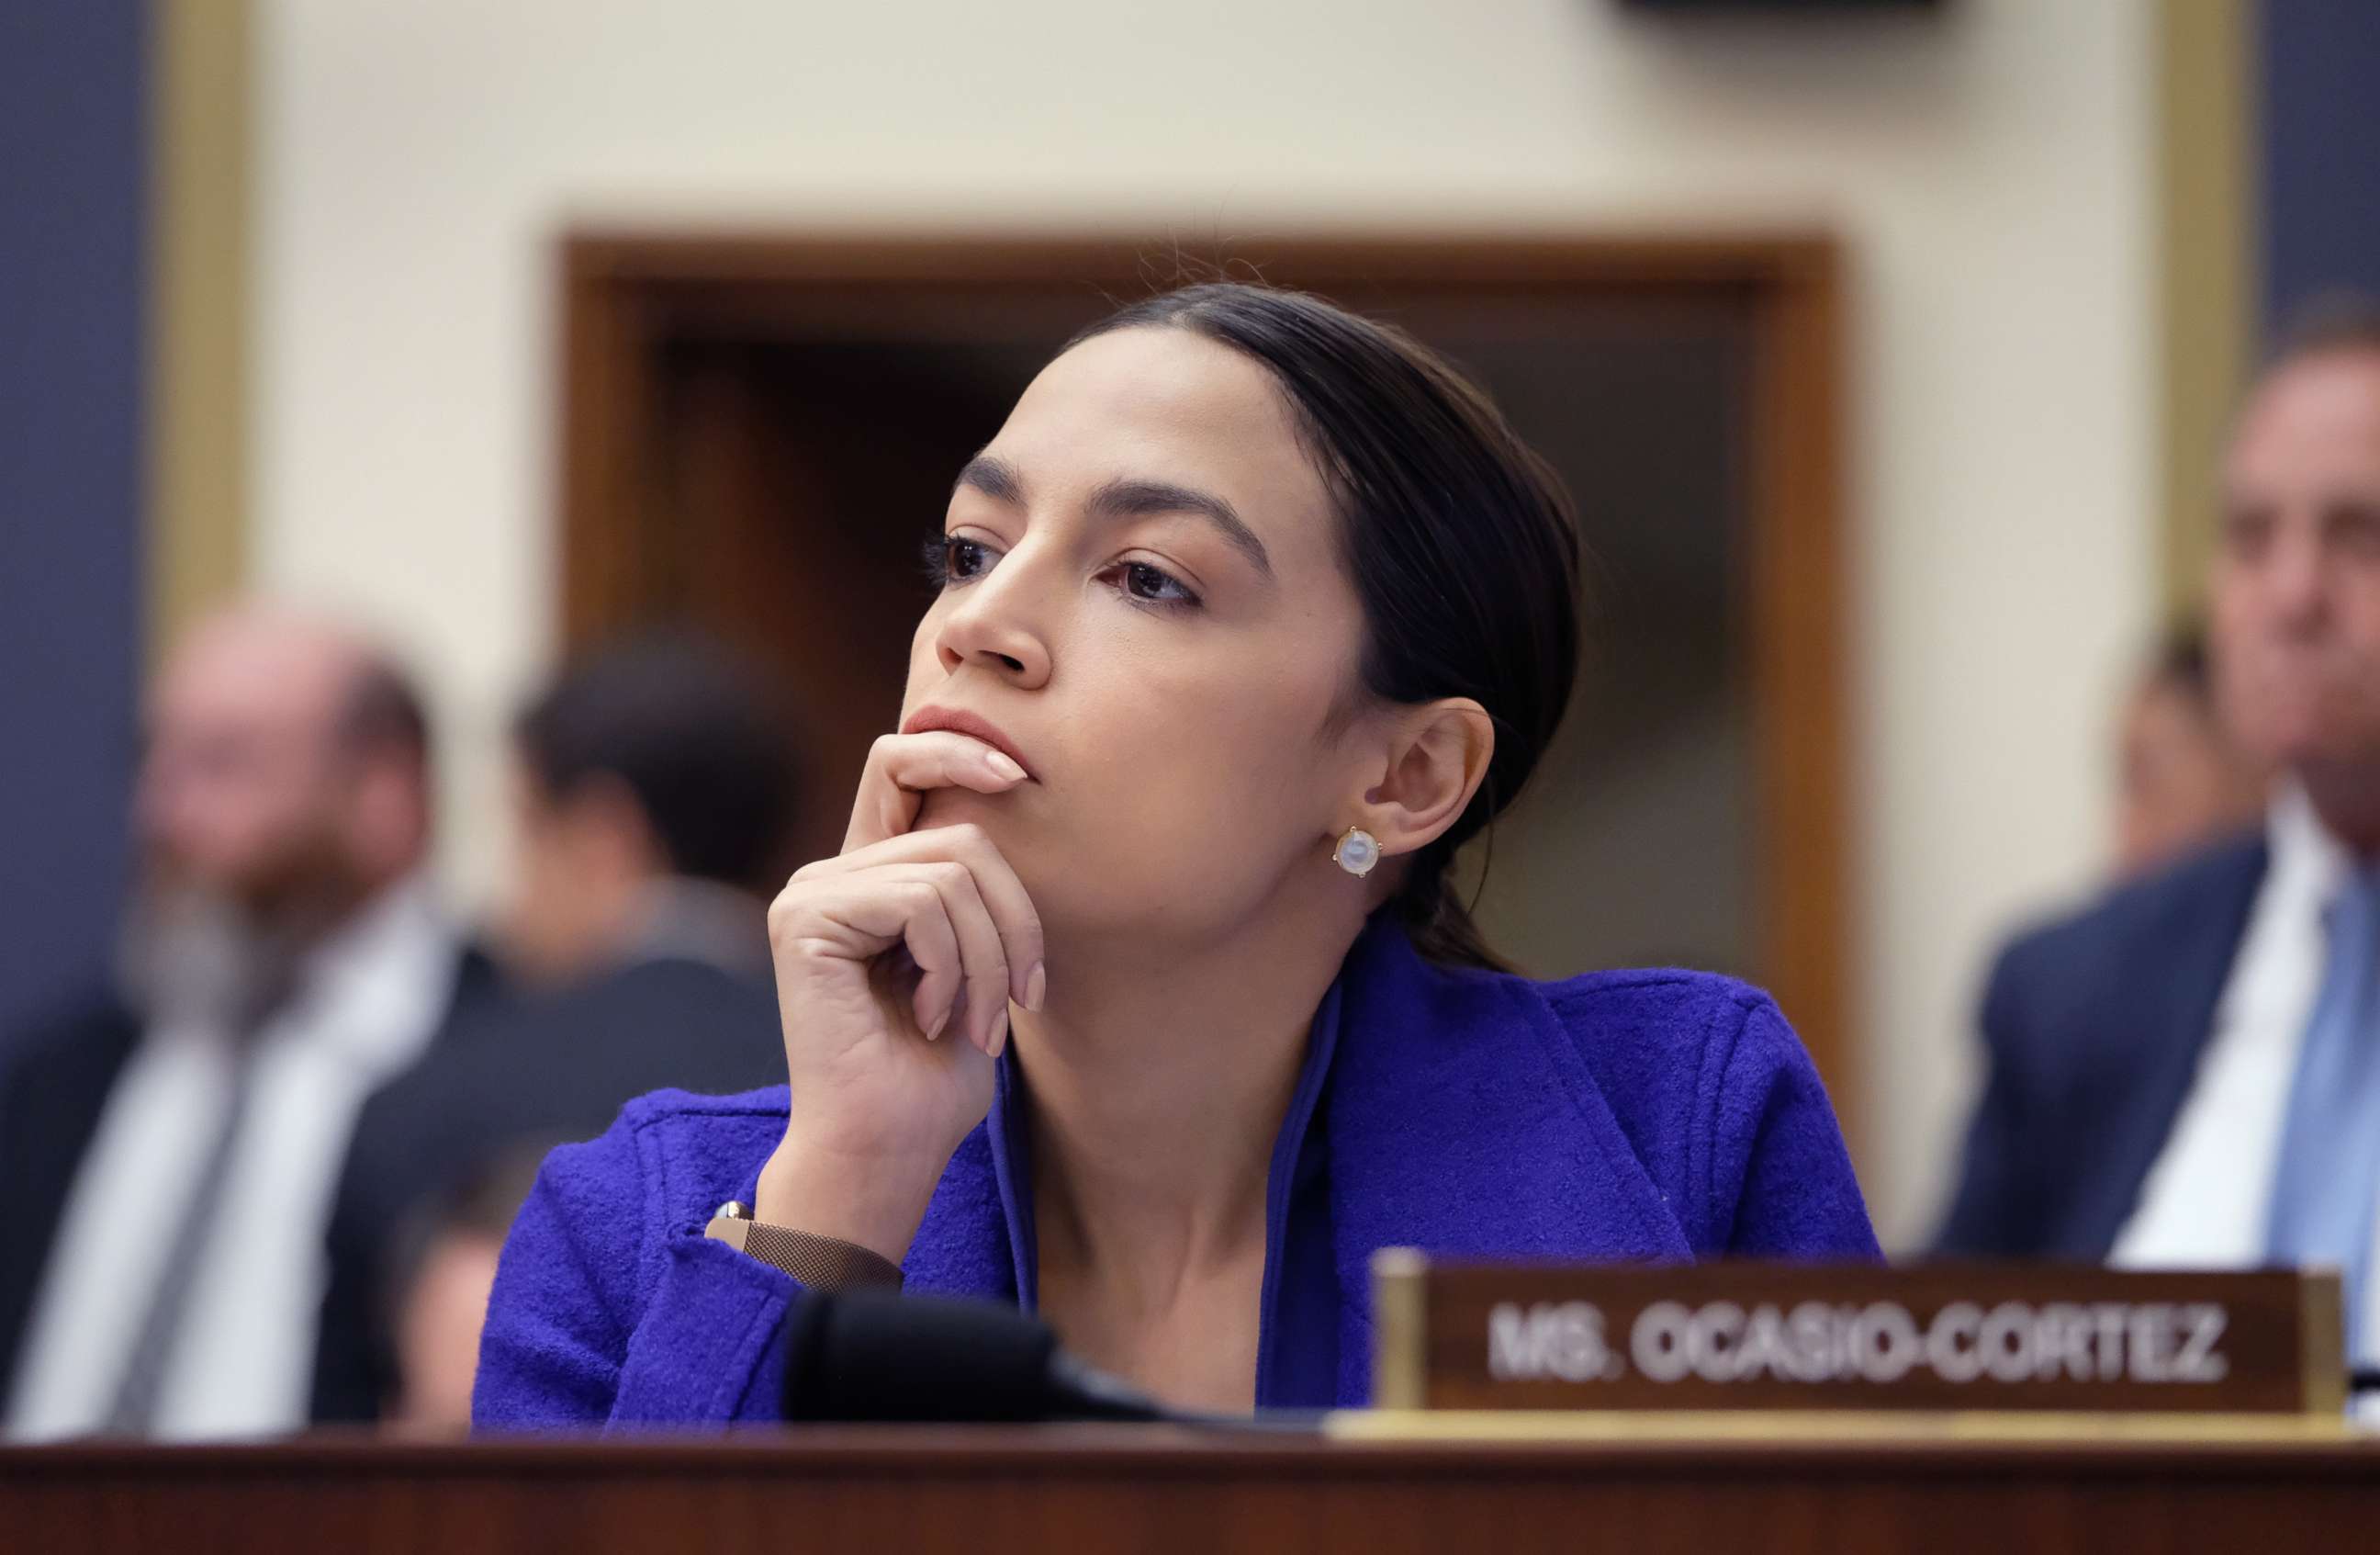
(655, 785)
(442, 1267)
(2183, 781)
(169, 1146)
(2188, 1072)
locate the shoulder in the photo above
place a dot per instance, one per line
(663, 977)
(2143, 915)
(91, 1030)
(684, 1154)
(723, 1035)
(1683, 1057)
(608, 1207)
(563, 1064)
(1720, 1102)
(2083, 969)
(1667, 1054)
(1654, 1036)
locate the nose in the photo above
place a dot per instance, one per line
(994, 626)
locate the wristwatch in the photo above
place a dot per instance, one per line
(823, 1263)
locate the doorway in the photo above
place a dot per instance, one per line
(757, 431)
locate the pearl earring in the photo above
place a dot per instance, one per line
(1357, 852)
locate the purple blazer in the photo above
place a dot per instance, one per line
(1623, 1116)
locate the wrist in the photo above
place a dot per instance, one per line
(872, 1199)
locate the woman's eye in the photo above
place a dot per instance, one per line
(969, 558)
(1154, 585)
(956, 559)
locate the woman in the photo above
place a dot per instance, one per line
(1138, 995)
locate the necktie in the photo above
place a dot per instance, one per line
(134, 1411)
(2324, 1192)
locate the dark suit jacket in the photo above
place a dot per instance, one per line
(2093, 1028)
(55, 1075)
(527, 1072)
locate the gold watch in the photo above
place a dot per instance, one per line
(823, 1263)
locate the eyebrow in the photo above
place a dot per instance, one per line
(995, 478)
(999, 479)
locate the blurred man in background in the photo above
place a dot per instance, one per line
(169, 1150)
(2189, 1073)
(2183, 782)
(655, 793)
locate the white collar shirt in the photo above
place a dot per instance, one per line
(367, 1005)
(2205, 1202)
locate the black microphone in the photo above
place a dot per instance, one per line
(873, 1355)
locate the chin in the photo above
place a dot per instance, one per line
(2286, 729)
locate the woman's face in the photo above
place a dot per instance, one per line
(1145, 598)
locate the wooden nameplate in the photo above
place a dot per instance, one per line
(1768, 1336)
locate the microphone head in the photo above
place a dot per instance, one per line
(874, 1355)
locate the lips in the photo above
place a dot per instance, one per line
(974, 726)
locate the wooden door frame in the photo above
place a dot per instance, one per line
(623, 292)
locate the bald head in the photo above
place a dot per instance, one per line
(286, 769)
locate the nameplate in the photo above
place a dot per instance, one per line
(1784, 1336)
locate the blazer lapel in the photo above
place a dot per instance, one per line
(1459, 1120)
(2166, 998)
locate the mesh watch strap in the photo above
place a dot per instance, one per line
(823, 1263)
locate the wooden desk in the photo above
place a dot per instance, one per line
(1658, 1486)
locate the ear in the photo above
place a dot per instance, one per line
(1437, 756)
(387, 818)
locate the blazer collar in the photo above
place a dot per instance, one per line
(1462, 1121)
(1457, 1117)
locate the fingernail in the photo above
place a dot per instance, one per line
(999, 1036)
(1005, 765)
(936, 1029)
(1037, 983)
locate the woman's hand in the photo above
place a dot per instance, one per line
(895, 964)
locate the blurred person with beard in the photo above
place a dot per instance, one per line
(655, 790)
(168, 1151)
(2182, 781)
(2188, 1073)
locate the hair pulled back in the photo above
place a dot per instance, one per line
(1460, 540)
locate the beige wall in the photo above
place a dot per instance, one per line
(1990, 169)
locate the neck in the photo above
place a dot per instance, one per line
(2347, 798)
(1158, 1084)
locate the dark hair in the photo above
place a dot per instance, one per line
(1459, 540)
(691, 733)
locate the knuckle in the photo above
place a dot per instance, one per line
(786, 920)
(926, 904)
